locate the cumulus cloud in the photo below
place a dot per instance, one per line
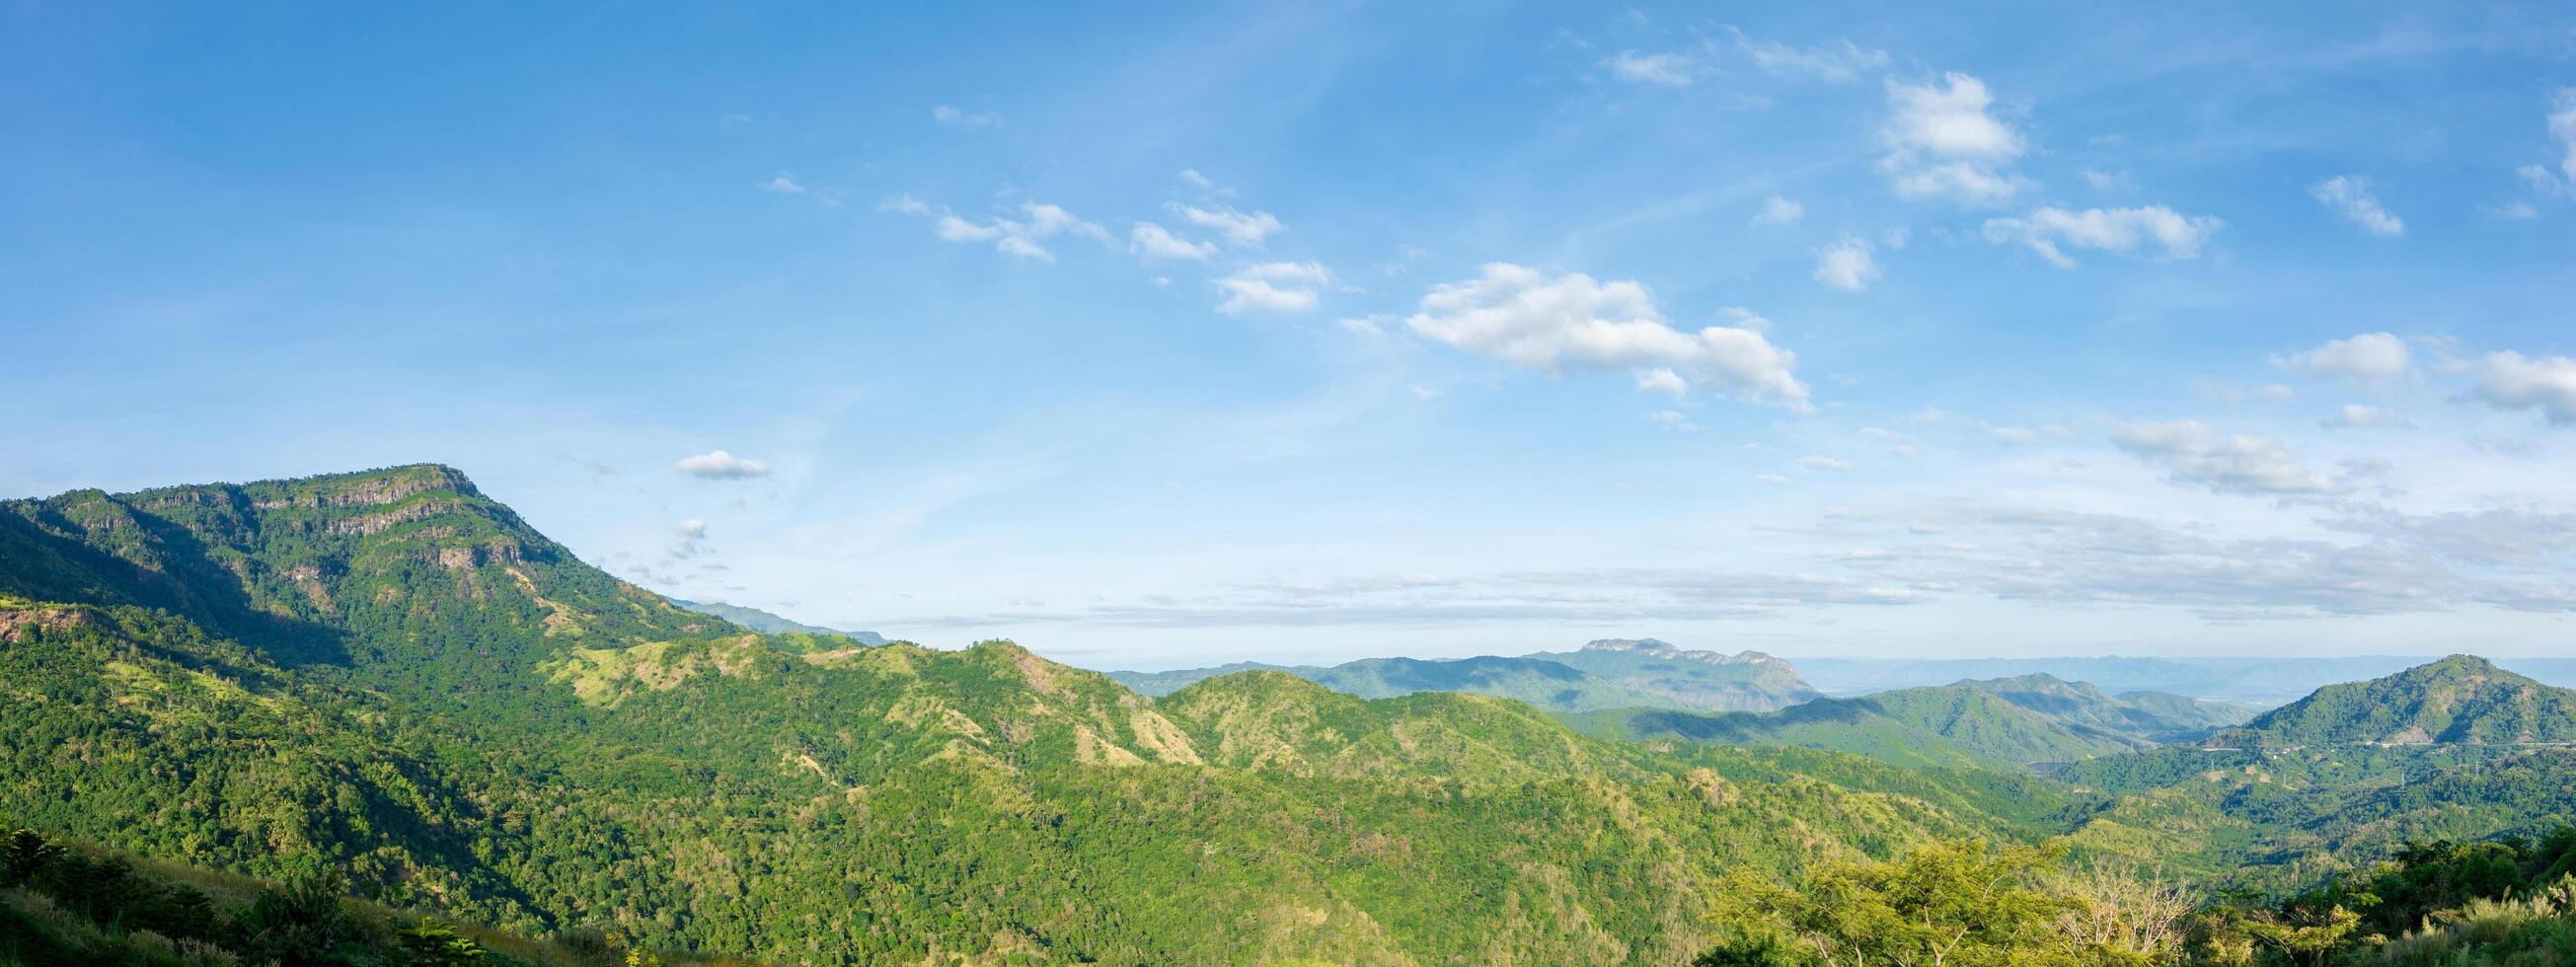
(1238, 229)
(1020, 237)
(1848, 264)
(1528, 318)
(2513, 381)
(783, 184)
(2349, 196)
(2372, 357)
(950, 115)
(1824, 463)
(688, 539)
(2126, 231)
(2193, 454)
(1945, 142)
(1773, 479)
(1151, 241)
(1779, 211)
(1273, 287)
(719, 465)
(1669, 70)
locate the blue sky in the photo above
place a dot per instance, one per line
(1154, 337)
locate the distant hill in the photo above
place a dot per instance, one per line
(2010, 722)
(2462, 699)
(2260, 681)
(758, 620)
(1548, 685)
(2146, 718)
(1606, 674)
(1942, 725)
(1704, 680)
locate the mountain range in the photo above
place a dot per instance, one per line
(391, 676)
(1604, 674)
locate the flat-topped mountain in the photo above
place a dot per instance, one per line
(1704, 680)
(2461, 699)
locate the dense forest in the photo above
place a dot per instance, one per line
(381, 703)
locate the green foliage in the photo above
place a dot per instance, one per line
(1965, 903)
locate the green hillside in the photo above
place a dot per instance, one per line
(1953, 725)
(2458, 700)
(389, 676)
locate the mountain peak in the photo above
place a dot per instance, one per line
(2461, 699)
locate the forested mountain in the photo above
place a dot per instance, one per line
(1708, 681)
(1949, 725)
(758, 620)
(390, 676)
(2460, 699)
(2258, 681)
(2139, 718)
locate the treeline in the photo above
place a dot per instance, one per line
(2500, 903)
(66, 903)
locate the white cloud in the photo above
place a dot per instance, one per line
(1660, 380)
(2513, 211)
(1421, 392)
(784, 184)
(1839, 61)
(1192, 176)
(2014, 434)
(2349, 196)
(1524, 317)
(719, 465)
(1773, 479)
(1824, 463)
(2355, 415)
(2127, 231)
(1669, 70)
(2510, 380)
(1152, 241)
(1779, 211)
(2193, 454)
(1847, 264)
(1944, 142)
(1243, 231)
(1273, 287)
(2372, 357)
(2106, 180)
(1673, 420)
(1009, 236)
(951, 116)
